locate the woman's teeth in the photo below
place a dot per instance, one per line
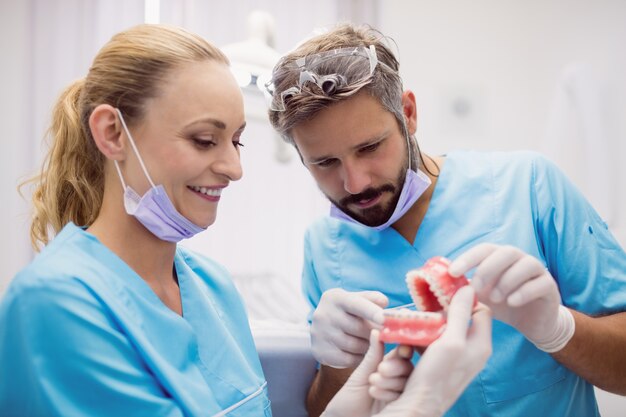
(214, 192)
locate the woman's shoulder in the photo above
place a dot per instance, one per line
(203, 266)
(71, 265)
(54, 263)
(45, 289)
(211, 277)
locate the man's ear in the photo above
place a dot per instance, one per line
(409, 108)
(106, 130)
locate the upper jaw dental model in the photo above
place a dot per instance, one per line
(431, 288)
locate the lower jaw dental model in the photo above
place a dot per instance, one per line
(431, 288)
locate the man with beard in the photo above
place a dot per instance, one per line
(536, 252)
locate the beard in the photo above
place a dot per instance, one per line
(380, 213)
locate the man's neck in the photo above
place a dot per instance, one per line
(409, 224)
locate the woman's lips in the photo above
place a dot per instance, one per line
(208, 193)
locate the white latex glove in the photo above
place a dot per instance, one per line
(388, 381)
(341, 326)
(353, 399)
(447, 366)
(520, 291)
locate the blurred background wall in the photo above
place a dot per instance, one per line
(488, 74)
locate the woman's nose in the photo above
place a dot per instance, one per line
(229, 163)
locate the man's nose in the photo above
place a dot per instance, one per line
(355, 177)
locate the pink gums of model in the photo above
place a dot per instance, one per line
(431, 288)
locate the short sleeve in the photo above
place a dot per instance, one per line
(581, 253)
(62, 354)
(310, 283)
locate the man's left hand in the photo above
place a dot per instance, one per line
(520, 291)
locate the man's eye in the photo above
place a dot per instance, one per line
(370, 148)
(326, 163)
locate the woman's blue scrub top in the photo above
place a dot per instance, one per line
(516, 198)
(82, 334)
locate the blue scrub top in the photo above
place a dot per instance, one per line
(518, 199)
(82, 334)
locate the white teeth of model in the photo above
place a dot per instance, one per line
(203, 190)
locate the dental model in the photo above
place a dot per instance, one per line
(431, 288)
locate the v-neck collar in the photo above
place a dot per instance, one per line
(110, 260)
(432, 211)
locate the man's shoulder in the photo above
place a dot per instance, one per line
(497, 159)
(500, 168)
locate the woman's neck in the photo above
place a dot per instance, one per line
(150, 257)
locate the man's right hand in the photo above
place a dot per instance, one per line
(341, 326)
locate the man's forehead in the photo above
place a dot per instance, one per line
(335, 144)
(361, 115)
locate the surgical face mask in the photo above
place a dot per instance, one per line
(415, 184)
(155, 209)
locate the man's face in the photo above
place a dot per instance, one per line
(358, 156)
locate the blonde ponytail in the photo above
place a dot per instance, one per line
(71, 183)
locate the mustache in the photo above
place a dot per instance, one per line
(367, 194)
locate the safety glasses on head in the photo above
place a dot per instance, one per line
(330, 70)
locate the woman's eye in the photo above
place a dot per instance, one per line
(203, 143)
(237, 140)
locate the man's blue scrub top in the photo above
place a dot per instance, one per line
(82, 334)
(518, 199)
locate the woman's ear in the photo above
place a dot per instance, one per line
(106, 130)
(409, 108)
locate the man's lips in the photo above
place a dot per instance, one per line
(366, 199)
(367, 203)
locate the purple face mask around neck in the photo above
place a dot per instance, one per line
(155, 209)
(414, 186)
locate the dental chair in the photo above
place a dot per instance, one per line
(288, 365)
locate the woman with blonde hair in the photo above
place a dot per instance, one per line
(113, 317)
